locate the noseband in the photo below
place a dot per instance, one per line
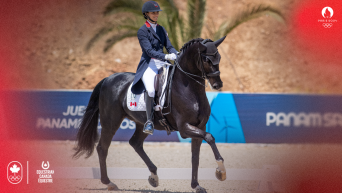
(200, 60)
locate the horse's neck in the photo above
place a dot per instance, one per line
(188, 62)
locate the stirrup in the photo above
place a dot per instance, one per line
(148, 129)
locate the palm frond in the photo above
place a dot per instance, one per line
(255, 12)
(120, 6)
(126, 10)
(181, 28)
(168, 7)
(196, 14)
(100, 33)
(220, 31)
(170, 19)
(131, 24)
(211, 28)
(172, 34)
(118, 37)
(129, 27)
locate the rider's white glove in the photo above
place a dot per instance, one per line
(170, 56)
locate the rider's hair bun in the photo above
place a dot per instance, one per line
(145, 16)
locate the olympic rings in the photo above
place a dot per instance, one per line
(327, 25)
(14, 178)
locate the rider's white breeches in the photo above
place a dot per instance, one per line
(150, 73)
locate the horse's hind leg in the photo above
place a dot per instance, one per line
(136, 142)
(109, 128)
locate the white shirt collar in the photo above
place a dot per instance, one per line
(154, 26)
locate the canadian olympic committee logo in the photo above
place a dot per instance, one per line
(327, 13)
(14, 172)
(45, 175)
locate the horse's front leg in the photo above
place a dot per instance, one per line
(195, 150)
(193, 132)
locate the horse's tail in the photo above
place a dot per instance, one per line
(87, 134)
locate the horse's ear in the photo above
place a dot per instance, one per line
(202, 47)
(218, 42)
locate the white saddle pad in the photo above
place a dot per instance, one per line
(137, 102)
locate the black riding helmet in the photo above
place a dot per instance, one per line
(150, 6)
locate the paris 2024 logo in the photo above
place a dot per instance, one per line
(327, 13)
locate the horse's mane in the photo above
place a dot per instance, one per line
(189, 43)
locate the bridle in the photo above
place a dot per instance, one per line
(200, 61)
(204, 74)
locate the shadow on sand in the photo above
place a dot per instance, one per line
(142, 191)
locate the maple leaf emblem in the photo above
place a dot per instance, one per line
(14, 169)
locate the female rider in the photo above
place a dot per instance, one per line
(152, 38)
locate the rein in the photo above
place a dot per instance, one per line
(189, 74)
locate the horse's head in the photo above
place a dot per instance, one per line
(210, 58)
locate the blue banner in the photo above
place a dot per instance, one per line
(56, 115)
(285, 118)
(235, 118)
(224, 122)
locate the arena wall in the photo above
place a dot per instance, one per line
(235, 117)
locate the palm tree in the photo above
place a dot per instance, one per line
(248, 14)
(180, 30)
(123, 27)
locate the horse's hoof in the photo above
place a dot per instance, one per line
(199, 189)
(220, 175)
(112, 187)
(153, 180)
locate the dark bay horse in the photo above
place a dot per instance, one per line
(199, 60)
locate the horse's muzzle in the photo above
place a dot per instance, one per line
(218, 85)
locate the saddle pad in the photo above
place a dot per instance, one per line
(137, 102)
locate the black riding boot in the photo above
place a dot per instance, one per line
(148, 127)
